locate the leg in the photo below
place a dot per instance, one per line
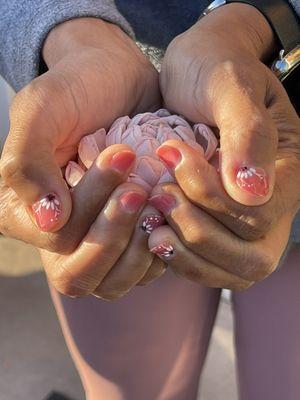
(150, 345)
(267, 319)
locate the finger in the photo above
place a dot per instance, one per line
(205, 236)
(201, 183)
(28, 163)
(248, 136)
(134, 262)
(165, 244)
(156, 270)
(111, 168)
(83, 271)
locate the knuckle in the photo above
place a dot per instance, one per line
(61, 243)
(254, 224)
(14, 169)
(196, 235)
(260, 269)
(72, 284)
(204, 193)
(68, 285)
(190, 273)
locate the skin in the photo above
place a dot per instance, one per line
(84, 76)
(220, 81)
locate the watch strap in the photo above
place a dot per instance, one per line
(282, 18)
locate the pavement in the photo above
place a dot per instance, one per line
(33, 357)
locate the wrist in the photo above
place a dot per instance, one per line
(70, 36)
(245, 27)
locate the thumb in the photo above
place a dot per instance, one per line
(248, 143)
(29, 167)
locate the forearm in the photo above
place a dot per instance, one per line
(24, 28)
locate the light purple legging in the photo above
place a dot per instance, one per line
(151, 345)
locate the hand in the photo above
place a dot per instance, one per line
(200, 248)
(113, 256)
(96, 73)
(222, 82)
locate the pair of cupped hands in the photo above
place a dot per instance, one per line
(218, 228)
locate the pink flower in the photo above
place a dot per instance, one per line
(144, 133)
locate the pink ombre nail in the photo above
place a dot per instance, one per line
(47, 211)
(151, 222)
(122, 161)
(253, 180)
(132, 201)
(169, 155)
(163, 250)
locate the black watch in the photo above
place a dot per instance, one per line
(286, 26)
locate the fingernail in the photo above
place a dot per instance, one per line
(253, 180)
(132, 201)
(122, 161)
(163, 202)
(164, 251)
(170, 156)
(151, 222)
(47, 211)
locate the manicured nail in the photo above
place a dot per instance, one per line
(47, 211)
(163, 202)
(122, 161)
(253, 180)
(164, 251)
(132, 201)
(151, 222)
(170, 156)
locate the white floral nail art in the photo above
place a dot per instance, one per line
(253, 180)
(47, 210)
(151, 222)
(163, 250)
